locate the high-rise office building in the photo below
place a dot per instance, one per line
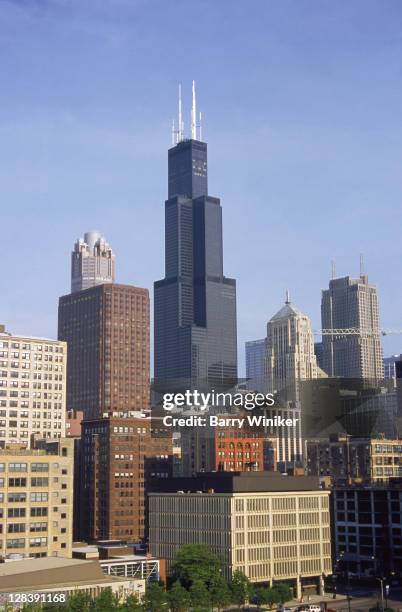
(92, 262)
(32, 388)
(107, 333)
(195, 304)
(255, 364)
(118, 458)
(352, 304)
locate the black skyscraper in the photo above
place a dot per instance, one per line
(195, 305)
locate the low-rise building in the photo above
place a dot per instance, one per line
(347, 460)
(36, 500)
(271, 527)
(56, 579)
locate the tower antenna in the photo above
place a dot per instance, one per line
(180, 131)
(361, 264)
(173, 134)
(193, 115)
(200, 126)
(333, 269)
(287, 300)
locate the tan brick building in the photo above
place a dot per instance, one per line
(36, 500)
(32, 388)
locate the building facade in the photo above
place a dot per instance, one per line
(270, 527)
(345, 460)
(195, 341)
(367, 527)
(32, 388)
(255, 364)
(389, 366)
(36, 500)
(290, 359)
(118, 456)
(107, 332)
(92, 262)
(352, 303)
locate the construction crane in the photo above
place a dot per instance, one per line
(356, 331)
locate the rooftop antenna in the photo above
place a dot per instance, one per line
(174, 136)
(361, 264)
(180, 131)
(193, 115)
(200, 126)
(287, 300)
(333, 269)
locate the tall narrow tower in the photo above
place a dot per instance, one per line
(352, 303)
(195, 304)
(92, 262)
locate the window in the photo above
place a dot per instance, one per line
(16, 543)
(39, 497)
(34, 527)
(17, 497)
(39, 482)
(17, 482)
(17, 467)
(39, 467)
(16, 512)
(39, 511)
(16, 528)
(38, 542)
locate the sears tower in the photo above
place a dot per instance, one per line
(195, 304)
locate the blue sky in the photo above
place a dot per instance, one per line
(302, 106)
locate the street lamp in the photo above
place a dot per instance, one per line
(381, 581)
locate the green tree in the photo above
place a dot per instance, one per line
(131, 605)
(105, 601)
(155, 598)
(195, 562)
(220, 594)
(200, 598)
(240, 587)
(266, 595)
(78, 602)
(284, 592)
(179, 599)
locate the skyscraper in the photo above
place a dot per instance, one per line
(352, 303)
(290, 359)
(92, 262)
(255, 364)
(107, 332)
(195, 304)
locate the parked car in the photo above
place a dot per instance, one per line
(310, 608)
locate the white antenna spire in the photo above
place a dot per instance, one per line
(173, 134)
(193, 116)
(361, 264)
(333, 269)
(200, 126)
(180, 130)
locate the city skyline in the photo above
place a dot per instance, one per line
(93, 158)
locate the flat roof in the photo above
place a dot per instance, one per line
(237, 482)
(21, 566)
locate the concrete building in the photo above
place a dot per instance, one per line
(271, 527)
(32, 388)
(255, 364)
(352, 304)
(345, 460)
(118, 457)
(61, 577)
(107, 331)
(290, 359)
(92, 262)
(36, 500)
(367, 528)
